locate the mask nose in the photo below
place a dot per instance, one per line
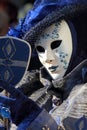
(49, 56)
(48, 61)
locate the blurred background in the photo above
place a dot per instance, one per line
(11, 11)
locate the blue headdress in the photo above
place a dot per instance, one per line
(41, 9)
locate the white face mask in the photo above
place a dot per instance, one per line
(54, 48)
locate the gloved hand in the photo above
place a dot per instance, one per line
(20, 106)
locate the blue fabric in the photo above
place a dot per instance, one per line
(40, 10)
(82, 119)
(2, 128)
(20, 106)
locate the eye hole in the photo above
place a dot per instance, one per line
(40, 49)
(55, 44)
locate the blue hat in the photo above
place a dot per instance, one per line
(48, 12)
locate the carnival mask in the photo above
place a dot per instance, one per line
(54, 48)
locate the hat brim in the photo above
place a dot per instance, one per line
(67, 12)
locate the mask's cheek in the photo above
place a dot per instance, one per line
(64, 60)
(62, 57)
(42, 58)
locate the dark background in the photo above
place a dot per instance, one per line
(21, 3)
(15, 9)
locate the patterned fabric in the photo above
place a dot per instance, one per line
(72, 113)
(13, 64)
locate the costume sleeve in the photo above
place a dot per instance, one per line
(43, 121)
(25, 113)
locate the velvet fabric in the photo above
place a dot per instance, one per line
(20, 106)
(41, 9)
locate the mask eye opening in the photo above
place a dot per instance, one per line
(40, 49)
(55, 44)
